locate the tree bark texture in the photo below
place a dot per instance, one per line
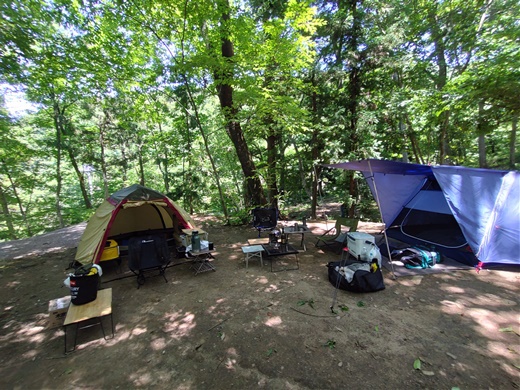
(234, 130)
(58, 125)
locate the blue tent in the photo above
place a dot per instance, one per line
(471, 215)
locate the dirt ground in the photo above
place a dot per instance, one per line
(252, 328)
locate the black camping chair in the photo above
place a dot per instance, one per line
(264, 218)
(148, 253)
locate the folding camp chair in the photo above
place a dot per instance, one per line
(336, 235)
(148, 253)
(264, 219)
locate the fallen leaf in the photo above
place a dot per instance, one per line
(428, 373)
(417, 364)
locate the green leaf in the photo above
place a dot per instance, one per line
(361, 304)
(417, 364)
(330, 343)
(344, 308)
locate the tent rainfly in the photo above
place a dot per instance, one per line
(468, 214)
(132, 210)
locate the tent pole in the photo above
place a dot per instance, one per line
(381, 214)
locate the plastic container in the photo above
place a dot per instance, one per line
(359, 245)
(84, 287)
(111, 251)
(195, 241)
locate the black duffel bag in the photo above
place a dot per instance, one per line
(362, 281)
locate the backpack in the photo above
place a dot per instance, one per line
(415, 257)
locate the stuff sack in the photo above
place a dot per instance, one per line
(84, 284)
(365, 277)
(415, 257)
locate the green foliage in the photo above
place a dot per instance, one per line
(239, 217)
(331, 344)
(309, 302)
(131, 89)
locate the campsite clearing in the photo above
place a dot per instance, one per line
(250, 328)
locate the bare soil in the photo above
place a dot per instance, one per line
(252, 328)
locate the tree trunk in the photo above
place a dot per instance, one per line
(207, 148)
(234, 130)
(355, 75)
(301, 169)
(315, 151)
(103, 160)
(18, 200)
(481, 131)
(7, 214)
(413, 140)
(164, 168)
(512, 141)
(141, 161)
(58, 125)
(441, 79)
(81, 178)
(273, 141)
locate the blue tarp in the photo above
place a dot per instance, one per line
(485, 203)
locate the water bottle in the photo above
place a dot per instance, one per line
(195, 241)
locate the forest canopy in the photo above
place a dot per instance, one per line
(225, 105)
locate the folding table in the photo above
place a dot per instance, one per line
(200, 261)
(95, 310)
(281, 250)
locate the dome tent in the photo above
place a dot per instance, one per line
(130, 211)
(471, 215)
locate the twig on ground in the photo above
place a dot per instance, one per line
(220, 323)
(312, 315)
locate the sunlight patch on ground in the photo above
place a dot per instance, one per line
(453, 289)
(450, 307)
(272, 288)
(219, 308)
(231, 360)
(30, 354)
(411, 282)
(179, 325)
(138, 331)
(141, 380)
(158, 344)
(274, 321)
(31, 333)
(485, 319)
(499, 349)
(489, 300)
(262, 280)
(40, 251)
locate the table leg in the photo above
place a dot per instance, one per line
(302, 243)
